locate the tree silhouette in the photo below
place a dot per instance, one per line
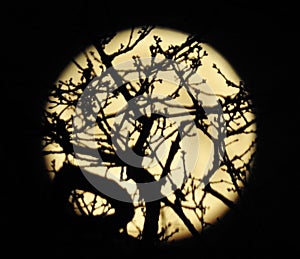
(75, 197)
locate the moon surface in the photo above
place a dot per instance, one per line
(237, 145)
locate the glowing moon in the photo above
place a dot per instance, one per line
(202, 208)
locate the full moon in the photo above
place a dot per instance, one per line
(201, 205)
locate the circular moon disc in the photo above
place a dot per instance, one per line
(203, 201)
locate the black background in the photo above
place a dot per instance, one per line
(39, 39)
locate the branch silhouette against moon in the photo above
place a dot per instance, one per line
(74, 196)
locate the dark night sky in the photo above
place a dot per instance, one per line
(258, 41)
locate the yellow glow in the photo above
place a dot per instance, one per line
(215, 208)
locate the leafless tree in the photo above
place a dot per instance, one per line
(69, 184)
